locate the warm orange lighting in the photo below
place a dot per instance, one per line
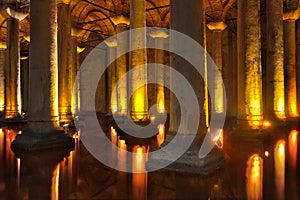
(161, 134)
(279, 162)
(266, 124)
(267, 153)
(113, 136)
(114, 109)
(293, 148)
(55, 184)
(139, 104)
(254, 177)
(279, 105)
(218, 138)
(139, 179)
(160, 99)
(1, 104)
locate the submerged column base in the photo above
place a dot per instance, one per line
(33, 141)
(190, 161)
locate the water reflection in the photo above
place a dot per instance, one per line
(279, 161)
(254, 177)
(59, 174)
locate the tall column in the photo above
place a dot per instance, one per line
(159, 36)
(65, 83)
(250, 65)
(274, 96)
(74, 69)
(290, 63)
(2, 75)
(217, 93)
(181, 14)
(12, 72)
(139, 99)
(121, 25)
(111, 76)
(42, 129)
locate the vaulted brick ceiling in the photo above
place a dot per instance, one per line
(94, 16)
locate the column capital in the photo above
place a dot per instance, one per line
(291, 15)
(217, 26)
(111, 42)
(63, 1)
(120, 19)
(8, 12)
(80, 49)
(158, 33)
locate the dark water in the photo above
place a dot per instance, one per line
(257, 169)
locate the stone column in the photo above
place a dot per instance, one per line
(111, 75)
(290, 63)
(12, 72)
(250, 72)
(139, 99)
(2, 75)
(65, 83)
(274, 97)
(159, 36)
(42, 128)
(74, 69)
(217, 95)
(121, 25)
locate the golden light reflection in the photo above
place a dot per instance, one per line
(113, 136)
(267, 153)
(160, 99)
(279, 105)
(122, 154)
(293, 148)
(55, 184)
(161, 134)
(139, 104)
(218, 138)
(139, 180)
(254, 177)
(279, 160)
(266, 124)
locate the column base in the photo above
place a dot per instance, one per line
(32, 141)
(190, 162)
(17, 119)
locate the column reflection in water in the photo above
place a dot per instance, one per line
(2, 138)
(139, 180)
(279, 159)
(254, 177)
(55, 183)
(293, 143)
(160, 137)
(122, 176)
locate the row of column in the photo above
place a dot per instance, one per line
(10, 98)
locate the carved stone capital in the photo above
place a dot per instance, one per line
(217, 26)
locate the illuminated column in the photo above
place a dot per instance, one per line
(2, 75)
(12, 72)
(252, 82)
(42, 129)
(290, 63)
(274, 98)
(159, 36)
(111, 75)
(241, 114)
(75, 67)
(65, 83)
(121, 25)
(139, 99)
(217, 93)
(181, 14)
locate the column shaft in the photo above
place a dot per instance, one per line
(253, 81)
(2, 78)
(75, 67)
(241, 114)
(275, 67)
(121, 69)
(290, 67)
(43, 72)
(181, 13)
(159, 58)
(139, 99)
(111, 78)
(12, 72)
(65, 83)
